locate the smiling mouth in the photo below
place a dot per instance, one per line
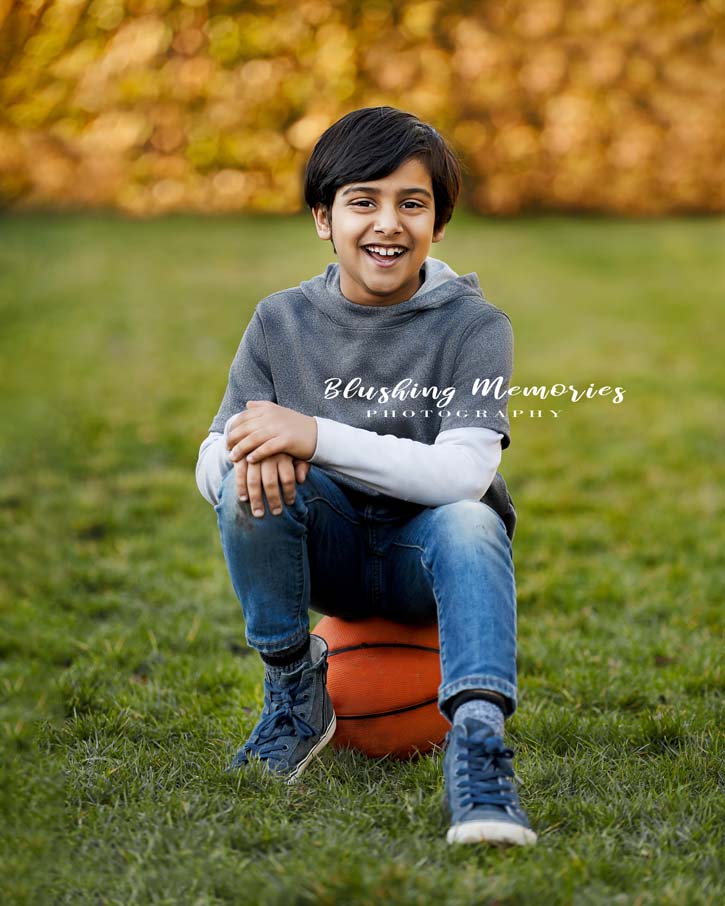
(384, 260)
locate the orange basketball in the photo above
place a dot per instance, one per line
(383, 679)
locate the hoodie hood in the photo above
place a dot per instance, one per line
(440, 285)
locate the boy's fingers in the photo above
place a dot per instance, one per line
(254, 488)
(240, 473)
(264, 478)
(249, 443)
(244, 425)
(235, 433)
(286, 478)
(271, 485)
(268, 448)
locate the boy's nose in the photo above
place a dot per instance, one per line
(387, 221)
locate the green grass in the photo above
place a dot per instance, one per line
(126, 683)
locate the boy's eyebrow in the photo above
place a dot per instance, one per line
(414, 190)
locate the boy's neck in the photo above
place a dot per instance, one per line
(382, 304)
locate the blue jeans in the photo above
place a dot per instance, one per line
(350, 555)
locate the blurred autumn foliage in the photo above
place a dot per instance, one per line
(213, 105)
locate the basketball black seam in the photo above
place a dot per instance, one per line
(381, 645)
(430, 701)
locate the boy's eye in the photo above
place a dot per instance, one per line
(366, 201)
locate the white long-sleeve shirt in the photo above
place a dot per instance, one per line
(460, 465)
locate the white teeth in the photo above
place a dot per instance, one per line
(385, 251)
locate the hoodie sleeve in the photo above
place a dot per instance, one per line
(482, 374)
(460, 465)
(250, 375)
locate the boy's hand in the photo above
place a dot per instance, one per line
(252, 478)
(265, 429)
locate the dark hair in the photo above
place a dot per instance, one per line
(372, 142)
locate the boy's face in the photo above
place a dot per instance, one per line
(395, 212)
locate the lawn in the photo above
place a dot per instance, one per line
(125, 678)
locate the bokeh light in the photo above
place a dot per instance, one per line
(158, 105)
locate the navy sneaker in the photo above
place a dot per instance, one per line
(297, 720)
(479, 789)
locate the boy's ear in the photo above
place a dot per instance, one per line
(322, 222)
(438, 235)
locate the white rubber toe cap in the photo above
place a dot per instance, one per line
(498, 833)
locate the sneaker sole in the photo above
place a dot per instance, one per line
(324, 739)
(497, 833)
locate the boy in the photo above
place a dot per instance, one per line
(363, 384)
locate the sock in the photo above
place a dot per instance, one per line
(473, 704)
(288, 661)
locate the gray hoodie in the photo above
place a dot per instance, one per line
(406, 369)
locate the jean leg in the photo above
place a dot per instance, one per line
(456, 561)
(310, 554)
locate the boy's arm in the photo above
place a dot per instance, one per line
(460, 465)
(213, 463)
(249, 376)
(482, 375)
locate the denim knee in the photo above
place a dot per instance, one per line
(235, 514)
(231, 511)
(228, 497)
(469, 519)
